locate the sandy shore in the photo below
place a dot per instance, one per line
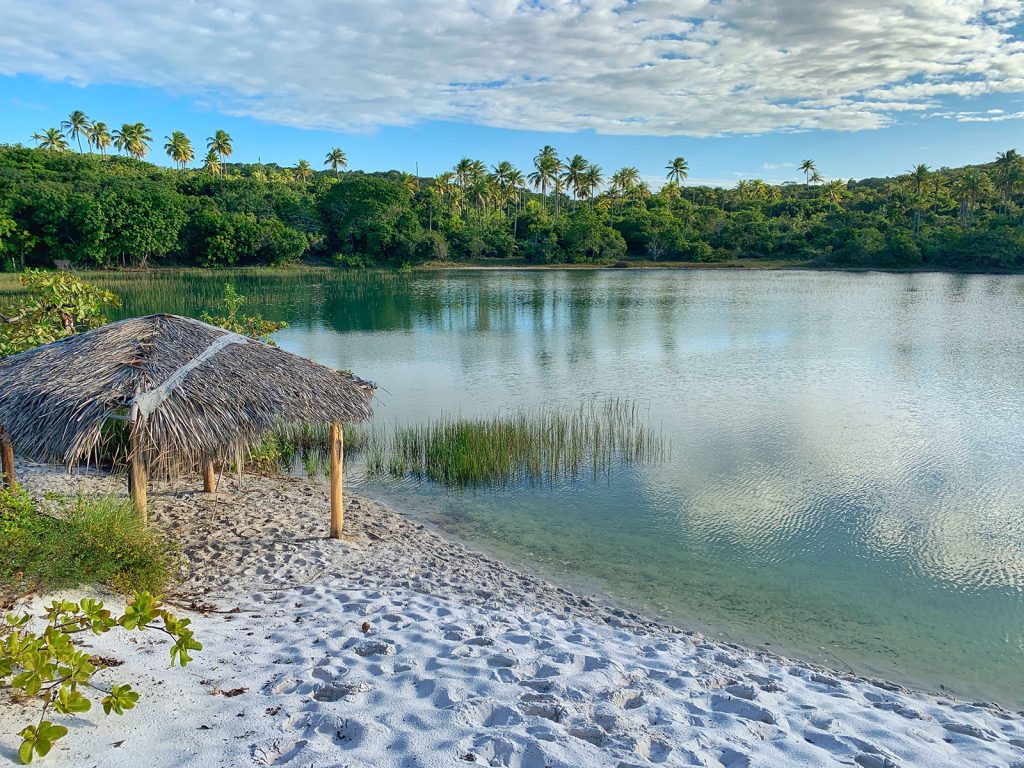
(401, 649)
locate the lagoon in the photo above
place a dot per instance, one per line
(846, 474)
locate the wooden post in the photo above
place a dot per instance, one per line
(238, 465)
(209, 476)
(337, 448)
(7, 459)
(137, 479)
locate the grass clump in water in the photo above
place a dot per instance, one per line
(308, 446)
(85, 541)
(538, 447)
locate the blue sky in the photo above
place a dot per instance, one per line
(740, 89)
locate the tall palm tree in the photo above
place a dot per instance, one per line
(445, 185)
(919, 175)
(123, 137)
(133, 139)
(970, 186)
(77, 125)
(808, 167)
(593, 179)
(502, 175)
(179, 149)
(573, 175)
(211, 162)
(99, 137)
(336, 159)
(546, 167)
(1009, 174)
(303, 170)
(220, 143)
(678, 170)
(52, 140)
(816, 177)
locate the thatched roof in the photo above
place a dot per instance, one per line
(198, 390)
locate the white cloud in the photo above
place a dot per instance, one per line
(692, 67)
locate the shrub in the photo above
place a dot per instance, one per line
(100, 540)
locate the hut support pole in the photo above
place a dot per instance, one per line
(337, 448)
(7, 459)
(209, 477)
(137, 479)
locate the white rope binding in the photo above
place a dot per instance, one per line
(150, 400)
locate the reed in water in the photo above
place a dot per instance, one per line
(539, 446)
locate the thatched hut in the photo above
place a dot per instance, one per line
(189, 392)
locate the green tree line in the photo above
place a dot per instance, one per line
(103, 206)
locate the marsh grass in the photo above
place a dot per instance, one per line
(537, 447)
(541, 446)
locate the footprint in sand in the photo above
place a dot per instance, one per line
(278, 753)
(337, 690)
(742, 708)
(481, 712)
(627, 699)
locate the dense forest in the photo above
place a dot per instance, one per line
(92, 208)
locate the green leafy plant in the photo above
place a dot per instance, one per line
(47, 666)
(57, 304)
(248, 325)
(84, 541)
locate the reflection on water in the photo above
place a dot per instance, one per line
(847, 468)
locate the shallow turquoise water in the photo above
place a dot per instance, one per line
(847, 470)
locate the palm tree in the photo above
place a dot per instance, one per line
(670, 190)
(835, 191)
(220, 143)
(303, 170)
(410, 182)
(133, 139)
(52, 140)
(573, 176)
(816, 177)
(211, 162)
(99, 137)
(123, 137)
(918, 181)
(546, 167)
(808, 167)
(179, 149)
(969, 188)
(466, 173)
(503, 175)
(1009, 174)
(77, 125)
(336, 159)
(593, 180)
(678, 170)
(445, 184)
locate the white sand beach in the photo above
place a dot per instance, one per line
(401, 649)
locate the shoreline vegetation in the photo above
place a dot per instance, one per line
(92, 209)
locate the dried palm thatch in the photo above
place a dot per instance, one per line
(190, 390)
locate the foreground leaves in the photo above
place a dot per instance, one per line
(49, 667)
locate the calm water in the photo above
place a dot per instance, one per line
(847, 470)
